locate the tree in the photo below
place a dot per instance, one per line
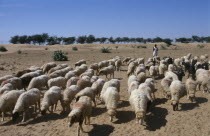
(125, 39)
(133, 40)
(207, 39)
(118, 39)
(149, 40)
(14, 39)
(139, 40)
(90, 39)
(45, 36)
(111, 40)
(196, 38)
(157, 39)
(81, 39)
(167, 41)
(23, 39)
(183, 40)
(69, 40)
(52, 40)
(102, 39)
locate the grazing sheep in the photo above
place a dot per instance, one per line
(81, 69)
(94, 78)
(131, 68)
(88, 91)
(81, 111)
(153, 71)
(171, 74)
(134, 85)
(147, 90)
(95, 67)
(6, 87)
(70, 74)
(141, 77)
(131, 79)
(58, 81)
(84, 82)
(59, 67)
(97, 87)
(178, 91)
(102, 64)
(68, 95)
(48, 66)
(165, 84)
(126, 60)
(111, 83)
(51, 98)
(151, 83)
(140, 60)
(25, 100)
(118, 64)
(89, 72)
(39, 82)
(139, 102)
(22, 72)
(111, 97)
(15, 81)
(162, 69)
(203, 80)
(107, 71)
(61, 72)
(80, 62)
(140, 68)
(5, 78)
(8, 101)
(72, 81)
(171, 67)
(191, 89)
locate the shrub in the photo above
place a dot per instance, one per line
(59, 56)
(74, 49)
(163, 47)
(3, 49)
(133, 46)
(46, 48)
(106, 50)
(116, 47)
(142, 46)
(200, 46)
(19, 51)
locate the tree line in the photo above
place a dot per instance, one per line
(45, 39)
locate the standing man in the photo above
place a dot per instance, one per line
(155, 50)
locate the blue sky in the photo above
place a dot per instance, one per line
(132, 18)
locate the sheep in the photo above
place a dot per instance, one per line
(81, 69)
(191, 89)
(34, 68)
(131, 79)
(150, 82)
(59, 67)
(139, 101)
(48, 66)
(8, 101)
(140, 68)
(84, 82)
(133, 85)
(5, 78)
(95, 67)
(22, 72)
(103, 64)
(61, 72)
(110, 98)
(97, 87)
(51, 98)
(153, 71)
(107, 71)
(39, 82)
(93, 79)
(141, 77)
(162, 69)
(178, 90)
(80, 62)
(72, 81)
(81, 111)
(171, 67)
(111, 83)
(126, 60)
(118, 64)
(203, 80)
(147, 90)
(202, 58)
(68, 95)
(165, 84)
(6, 87)
(25, 100)
(112, 62)
(70, 74)
(88, 91)
(15, 81)
(140, 60)
(26, 78)
(89, 72)
(171, 74)
(58, 81)
(131, 68)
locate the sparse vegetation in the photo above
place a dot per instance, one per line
(3, 49)
(46, 48)
(200, 46)
(59, 56)
(19, 51)
(163, 47)
(142, 46)
(74, 49)
(106, 50)
(116, 47)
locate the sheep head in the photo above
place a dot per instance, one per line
(15, 116)
(71, 120)
(175, 105)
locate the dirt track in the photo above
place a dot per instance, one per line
(193, 118)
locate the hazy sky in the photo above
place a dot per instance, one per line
(132, 18)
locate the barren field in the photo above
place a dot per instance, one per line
(193, 119)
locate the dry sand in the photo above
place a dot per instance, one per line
(192, 120)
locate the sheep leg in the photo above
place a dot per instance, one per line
(51, 109)
(94, 102)
(2, 116)
(39, 106)
(55, 105)
(154, 96)
(88, 120)
(24, 116)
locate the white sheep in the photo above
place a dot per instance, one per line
(97, 87)
(171, 67)
(147, 90)
(131, 68)
(203, 79)
(153, 71)
(171, 74)
(8, 101)
(139, 69)
(89, 72)
(60, 66)
(70, 74)
(95, 67)
(125, 60)
(141, 77)
(58, 81)
(191, 89)
(133, 85)
(94, 78)
(150, 82)
(6, 87)
(26, 99)
(110, 98)
(81, 111)
(162, 69)
(80, 62)
(81, 69)
(88, 91)
(39, 82)
(139, 101)
(5, 78)
(61, 72)
(48, 66)
(131, 79)
(118, 64)
(107, 71)
(178, 90)
(68, 95)
(50, 99)
(15, 81)
(165, 84)
(72, 81)
(84, 82)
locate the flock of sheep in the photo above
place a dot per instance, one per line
(81, 86)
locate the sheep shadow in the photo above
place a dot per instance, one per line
(159, 101)
(98, 111)
(156, 119)
(124, 117)
(45, 118)
(190, 106)
(101, 130)
(123, 104)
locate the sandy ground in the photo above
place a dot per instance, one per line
(193, 119)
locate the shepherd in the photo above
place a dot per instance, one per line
(155, 50)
